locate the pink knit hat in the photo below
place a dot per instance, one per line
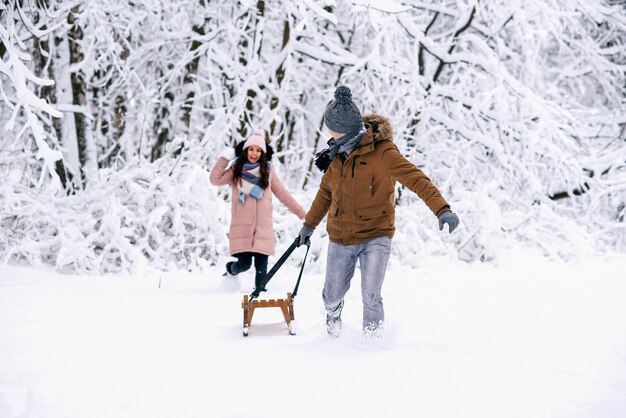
(258, 139)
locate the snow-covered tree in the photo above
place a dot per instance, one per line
(514, 108)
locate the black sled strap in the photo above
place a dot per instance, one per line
(276, 267)
(295, 289)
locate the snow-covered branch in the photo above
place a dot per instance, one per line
(21, 79)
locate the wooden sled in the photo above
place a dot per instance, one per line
(285, 305)
(250, 302)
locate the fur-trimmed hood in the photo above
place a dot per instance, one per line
(381, 127)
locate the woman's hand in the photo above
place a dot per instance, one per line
(228, 153)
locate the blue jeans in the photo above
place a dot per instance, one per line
(373, 256)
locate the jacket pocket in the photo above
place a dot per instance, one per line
(372, 221)
(372, 212)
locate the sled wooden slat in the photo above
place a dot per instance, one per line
(285, 305)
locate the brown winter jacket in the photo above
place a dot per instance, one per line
(358, 192)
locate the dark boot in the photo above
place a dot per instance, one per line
(229, 270)
(258, 279)
(258, 286)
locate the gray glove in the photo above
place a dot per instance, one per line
(304, 235)
(449, 218)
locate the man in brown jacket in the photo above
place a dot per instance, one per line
(361, 167)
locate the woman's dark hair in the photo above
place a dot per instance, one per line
(242, 158)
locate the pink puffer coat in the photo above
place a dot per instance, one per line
(251, 225)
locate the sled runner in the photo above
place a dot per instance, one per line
(250, 303)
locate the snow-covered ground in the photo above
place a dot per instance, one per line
(525, 338)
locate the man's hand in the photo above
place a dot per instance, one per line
(449, 218)
(305, 235)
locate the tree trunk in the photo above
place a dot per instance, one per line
(274, 102)
(440, 66)
(165, 131)
(422, 72)
(188, 80)
(245, 120)
(451, 48)
(162, 126)
(49, 94)
(79, 89)
(43, 58)
(348, 44)
(111, 125)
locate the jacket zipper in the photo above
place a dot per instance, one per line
(343, 165)
(353, 164)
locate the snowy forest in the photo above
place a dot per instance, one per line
(113, 113)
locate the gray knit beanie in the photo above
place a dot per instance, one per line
(342, 115)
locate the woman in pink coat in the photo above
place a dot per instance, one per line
(253, 182)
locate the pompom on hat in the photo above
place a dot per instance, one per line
(342, 115)
(257, 138)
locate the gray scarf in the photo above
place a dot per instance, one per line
(345, 145)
